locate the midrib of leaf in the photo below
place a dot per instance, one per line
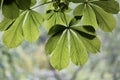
(26, 14)
(26, 17)
(68, 40)
(55, 17)
(103, 20)
(64, 33)
(16, 28)
(90, 44)
(86, 39)
(51, 16)
(30, 16)
(103, 5)
(13, 37)
(31, 19)
(59, 17)
(89, 12)
(62, 17)
(75, 44)
(64, 20)
(97, 13)
(34, 19)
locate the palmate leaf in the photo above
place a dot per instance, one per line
(67, 41)
(31, 25)
(110, 6)
(88, 15)
(73, 42)
(105, 20)
(10, 9)
(96, 14)
(25, 26)
(55, 17)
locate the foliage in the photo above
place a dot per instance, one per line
(70, 38)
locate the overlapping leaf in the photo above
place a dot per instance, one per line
(31, 25)
(25, 26)
(105, 20)
(88, 36)
(23, 4)
(88, 14)
(55, 17)
(71, 42)
(98, 13)
(110, 6)
(67, 41)
(75, 20)
(10, 9)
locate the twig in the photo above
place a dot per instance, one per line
(56, 75)
(42, 4)
(75, 74)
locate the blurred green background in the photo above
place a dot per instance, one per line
(29, 61)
